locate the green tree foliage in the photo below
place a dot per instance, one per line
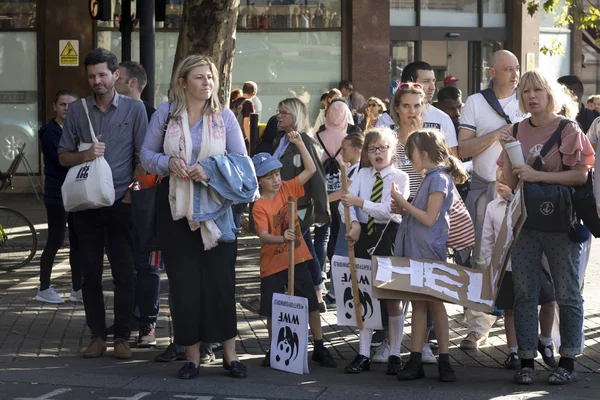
(580, 14)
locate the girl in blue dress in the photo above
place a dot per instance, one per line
(423, 233)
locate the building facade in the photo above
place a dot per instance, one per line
(290, 48)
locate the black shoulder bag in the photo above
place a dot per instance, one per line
(492, 100)
(549, 206)
(144, 207)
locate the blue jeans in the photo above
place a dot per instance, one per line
(321, 241)
(147, 290)
(341, 249)
(314, 265)
(563, 259)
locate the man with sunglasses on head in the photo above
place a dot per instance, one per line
(485, 116)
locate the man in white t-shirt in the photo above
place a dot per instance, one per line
(421, 72)
(478, 137)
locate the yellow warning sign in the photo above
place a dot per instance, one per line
(69, 53)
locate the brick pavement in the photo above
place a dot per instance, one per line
(30, 329)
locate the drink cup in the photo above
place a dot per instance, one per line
(515, 153)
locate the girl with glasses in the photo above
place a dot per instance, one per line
(369, 199)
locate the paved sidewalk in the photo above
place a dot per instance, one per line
(51, 336)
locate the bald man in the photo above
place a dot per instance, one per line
(478, 137)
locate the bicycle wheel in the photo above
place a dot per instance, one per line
(18, 239)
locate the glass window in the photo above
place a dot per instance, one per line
(487, 49)
(18, 14)
(494, 14)
(166, 45)
(18, 98)
(403, 53)
(402, 13)
(304, 14)
(313, 67)
(449, 13)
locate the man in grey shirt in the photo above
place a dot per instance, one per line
(120, 125)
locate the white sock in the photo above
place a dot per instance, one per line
(366, 336)
(513, 350)
(396, 332)
(546, 341)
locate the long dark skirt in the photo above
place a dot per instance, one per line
(202, 283)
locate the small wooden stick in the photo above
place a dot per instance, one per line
(351, 257)
(292, 243)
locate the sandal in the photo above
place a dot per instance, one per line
(524, 376)
(562, 376)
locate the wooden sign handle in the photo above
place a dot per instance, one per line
(351, 257)
(291, 244)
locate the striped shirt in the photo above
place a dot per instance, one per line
(403, 163)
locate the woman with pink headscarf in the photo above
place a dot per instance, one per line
(336, 123)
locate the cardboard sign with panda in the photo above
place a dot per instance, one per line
(289, 334)
(371, 310)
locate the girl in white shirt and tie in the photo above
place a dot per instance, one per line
(369, 198)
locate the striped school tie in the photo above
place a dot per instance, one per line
(375, 198)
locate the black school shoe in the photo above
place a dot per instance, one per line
(412, 370)
(446, 372)
(188, 371)
(394, 365)
(547, 353)
(236, 369)
(323, 357)
(358, 365)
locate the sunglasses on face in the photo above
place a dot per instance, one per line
(373, 105)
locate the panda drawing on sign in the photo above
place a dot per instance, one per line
(287, 345)
(365, 300)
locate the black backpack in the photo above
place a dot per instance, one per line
(331, 166)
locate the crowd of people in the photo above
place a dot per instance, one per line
(409, 162)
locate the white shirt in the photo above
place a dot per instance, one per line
(494, 216)
(478, 116)
(362, 186)
(594, 131)
(384, 120)
(437, 119)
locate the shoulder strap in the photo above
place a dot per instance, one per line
(323, 146)
(492, 100)
(555, 138)
(87, 113)
(515, 130)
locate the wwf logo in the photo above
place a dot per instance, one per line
(546, 208)
(287, 345)
(366, 302)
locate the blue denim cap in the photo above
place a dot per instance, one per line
(264, 163)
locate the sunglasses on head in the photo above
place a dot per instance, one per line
(410, 85)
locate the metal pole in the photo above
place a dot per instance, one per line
(126, 27)
(145, 11)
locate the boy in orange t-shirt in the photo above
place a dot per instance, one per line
(271, 218)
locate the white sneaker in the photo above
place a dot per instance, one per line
(49, 296)
(382, 353)
(427, 356)
(76, 296)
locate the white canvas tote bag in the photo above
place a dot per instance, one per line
(90, 184)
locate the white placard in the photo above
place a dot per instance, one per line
(344, 300)
(289, 334)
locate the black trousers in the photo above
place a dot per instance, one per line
(91, 227)
(201, 282)
(57, 223)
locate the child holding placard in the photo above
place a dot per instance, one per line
(369, 199)
(424, 233)
(271, 218)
